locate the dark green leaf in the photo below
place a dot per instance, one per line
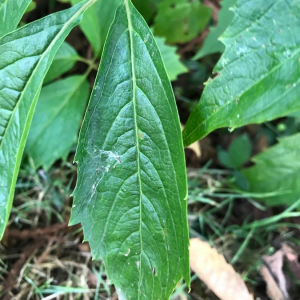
(131, 192)
(171, 60)
(146, 8)
(180, 20)
(25, 57)
(56, 120)
(277, 169)
(240, 151)
(259, 72)
(211, 43)
(96, 22)
(64, 60)
(11, 12)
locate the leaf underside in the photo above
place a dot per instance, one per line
(277, 169)
(25, 57)
(131, 190)
(259, 73)
(11, 12)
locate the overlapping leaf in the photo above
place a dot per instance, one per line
(64, 60)
(258, 76)
(185, 19)
(11, 12)
(25, 57)
(56, 120)
(277, 169)
(211, 43)
(96, 22)
(171, 60)
(131, 191)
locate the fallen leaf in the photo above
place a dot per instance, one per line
(274, 277)
(216, 273)
(273, 290)
(292, 259)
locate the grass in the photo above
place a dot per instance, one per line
(62, 267)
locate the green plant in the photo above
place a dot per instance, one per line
(131, 193)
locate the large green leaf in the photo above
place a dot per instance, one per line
(171, 60)
(25, 57)
(131, 192)
(96, 22)
(211, 43)
(180, 20)
(64, 60)
(259, 72)
(56, 120)
(277, 169)
(11, 12)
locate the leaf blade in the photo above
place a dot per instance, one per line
(23, 71)
(11, 12)
(132, 182)
(277, 169)
(244, 92)
(57, 118)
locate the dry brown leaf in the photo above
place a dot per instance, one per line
(274, 265)
(293, 260)
(216, 273)
(273, 290)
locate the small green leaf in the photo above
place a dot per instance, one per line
(211, 43)
(171, 60)
(64, 60)
(131, 191)
(56, 120)
(96, 22)
(240, 151)
(31, 7)
(258, 74)
(180, 20)
(25, 57)
(11, 12)
(277, 170)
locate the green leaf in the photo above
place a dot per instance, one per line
(277, 169)
(25, 57)
(11, 12)
(181, 20)
(238, 153)
(211, 43)
(171, 60)
(31, 7)
(96, 22)
(258, 75)
(147, 8)
(64, 60)
(295, 114)
(131, 191)
(56, 120)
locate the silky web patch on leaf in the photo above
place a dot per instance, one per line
(131, 191)
(258, 76)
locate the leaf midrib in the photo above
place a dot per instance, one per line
(38, 64)
(130, 30)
